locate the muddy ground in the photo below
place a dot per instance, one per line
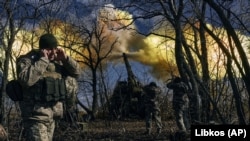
(103, 130)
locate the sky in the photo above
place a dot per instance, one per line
(145, 50)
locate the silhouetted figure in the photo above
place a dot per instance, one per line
(180, 102)
(152, 106)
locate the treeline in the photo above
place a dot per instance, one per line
(205, 42)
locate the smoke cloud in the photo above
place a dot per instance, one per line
(149, 51)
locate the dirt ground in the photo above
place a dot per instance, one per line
(103, 130)
(116, 131)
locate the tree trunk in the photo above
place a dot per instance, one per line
(238, 103)
(95, 100)
(231, 32)
(10, 39)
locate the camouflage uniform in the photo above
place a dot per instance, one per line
(152, 106)
(180, 103)
(45, 87)
(3, 134)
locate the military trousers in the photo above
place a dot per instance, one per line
(150, 115)
(38, 131)
(181, 116)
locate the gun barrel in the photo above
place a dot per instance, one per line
(134, 85)
(128, 67)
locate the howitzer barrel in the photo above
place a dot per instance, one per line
(128, 67)
(134, 85)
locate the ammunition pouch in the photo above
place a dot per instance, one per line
(51, 89)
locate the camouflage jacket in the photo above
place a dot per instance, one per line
(152, 96)
(179, 92)
(31, 70)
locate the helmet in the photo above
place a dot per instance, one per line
(152, 84)
(47, 41)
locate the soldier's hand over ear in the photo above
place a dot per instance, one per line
(61, 55)
(44, 53)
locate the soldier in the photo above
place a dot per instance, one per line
(180, 102)
(44, 75)
(152, 106)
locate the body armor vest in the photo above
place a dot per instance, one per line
(52, 85)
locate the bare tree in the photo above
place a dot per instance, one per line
(96, 47)
(234, 42)
(11, 22)
(197, 14)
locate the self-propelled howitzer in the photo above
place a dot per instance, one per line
(127, 98)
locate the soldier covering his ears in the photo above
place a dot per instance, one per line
(48, 78)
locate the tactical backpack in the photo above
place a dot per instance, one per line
(14, 90)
